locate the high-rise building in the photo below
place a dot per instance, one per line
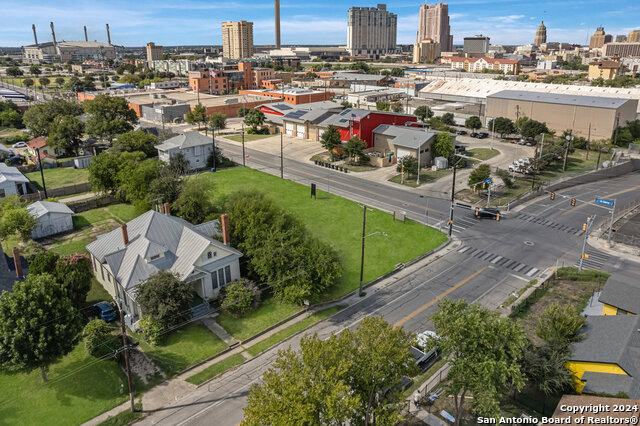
(154, 53)
(476, 45)
(599, 38)
(371, 31)
(541, 35)
(425, 50)
(634, 36)
(434, 24)
(237, 39)
(622, 50)
(621, 38)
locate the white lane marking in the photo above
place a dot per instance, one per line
(496, 259)
(532, 272)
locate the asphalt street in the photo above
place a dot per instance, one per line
(485, 263)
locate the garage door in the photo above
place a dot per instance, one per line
(300, 131)
(288, 129)
(402, 153)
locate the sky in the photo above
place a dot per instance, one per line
(197, 22)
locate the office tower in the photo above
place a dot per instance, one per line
(634, 36)
(621, 38)
(371, 31)
(476, 45)
(434, 24)
(237, 39)
(599, 39)
(154, 53)
(541, 35)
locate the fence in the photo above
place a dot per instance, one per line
(58, 192)
(435, 380)
(92, 203)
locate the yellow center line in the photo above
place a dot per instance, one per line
(592, 201)
(438, 298)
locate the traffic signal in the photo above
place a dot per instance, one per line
(498, 217)
(585, 256)
(483, 185)
(474, 188)
(573, 202)
(584, 226)
(477, 211)
(553, 195)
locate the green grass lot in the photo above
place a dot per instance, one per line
(577, 163)
(425, 177)
(291, 330)
(269, 313)
(58, 177)
(247, 137)
(482, 154)
(336, 221)
(52, 78)
(123, 418)
(183, 347)
(215, 369)
(79, 388)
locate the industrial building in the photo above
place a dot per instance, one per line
(587, 116)
(292, 95)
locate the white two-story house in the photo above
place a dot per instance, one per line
(126, 257)
(194, 146)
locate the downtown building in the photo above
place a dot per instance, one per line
(237, 39)
(434, 24)
(599, 39)
(371, 31)
(154, 53)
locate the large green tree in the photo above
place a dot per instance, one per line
(136, 141)
(473, 123)
(14, 71)
(105, 169)
(354, 149)
(559, 324)
(17, 220)
(72, 272)
(502, 126)
(193, 204)
(218, 121)
(330, 139)
(165, 187)
(410, 165)
(545, 367)
(254, 119)
(443, 146)
(134, 178)
(38, 324)
(165, 298)
(484, 351)
(448, 119)
(65, 133)
(109, 116)
(532, 128)
(198, 115)
(39, 118)
(479, 174)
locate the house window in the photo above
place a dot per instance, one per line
(209, 255)
(221, 277)
(214, 280)
(227, 273)
(102, 271)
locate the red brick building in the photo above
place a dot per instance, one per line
(295, 95)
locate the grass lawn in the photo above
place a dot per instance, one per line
(425, 177)
(123, 418)
(215, 369)
(336, 221)
(577, 163)
(501, 196)
(482, 153)
(73, 394)
(184, 347)
(423, 377)
(72, 246)
(247, 137)
(269, 313)
(58, 177)
(291, 330)
(97, 293)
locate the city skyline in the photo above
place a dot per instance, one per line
(198, 22)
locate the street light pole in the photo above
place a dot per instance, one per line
(126, 357)
(44, 186)
(213, 139)
(364, 224)
(453, 192)
(590, 220)
(613, 212)
(243, 154)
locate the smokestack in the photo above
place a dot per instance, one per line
(35, 36)
(108, 35)
(85, 34)
(16, 262)
(167, 208)
(226, 239)
(125, 234)
(53, 33)
(277, 24)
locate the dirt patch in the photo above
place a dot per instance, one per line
(142, 366)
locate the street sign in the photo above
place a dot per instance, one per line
(604, 202)
(487, 181)
(448, 416)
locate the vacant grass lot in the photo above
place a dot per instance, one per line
(58, 177)
(247, 137)
(577, 163)
(269, 313)
(336, 221)
(482, 154)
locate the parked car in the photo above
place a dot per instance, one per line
(104, 311)
(474, 135)
(483, 135)
(490, 212)
(19, 145)
(423, 356)
(461, 132)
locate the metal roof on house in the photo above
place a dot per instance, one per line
(563, 99)
(185, 140)
(8, 173)
(406, 136)
(622, 295)
(178, 244)
(40, 208)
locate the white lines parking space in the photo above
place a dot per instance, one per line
(596, 260)
(501, 261)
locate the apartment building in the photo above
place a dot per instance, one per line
(371, 31)
(237, 39)
(478, 64)
(154, 53)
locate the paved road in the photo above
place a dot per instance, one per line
(485, 263)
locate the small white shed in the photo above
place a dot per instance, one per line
(53, 218)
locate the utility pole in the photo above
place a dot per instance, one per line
(489, 194)
(281, 158)
(615, 137)
(364, 227)
(243, 154)
(613, 212)
(126, 357)
(541, 145)
(44, 186)
(535, 167)
(453, 192)
(586, 235)
(213, 153)
(418, 181)
(588, 141)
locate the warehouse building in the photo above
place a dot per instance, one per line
(589, 116)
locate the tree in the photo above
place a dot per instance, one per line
(193, 204)
(38, 118)
(134, 178)
(89, 83)
(44, 262)
(502, 125)
(27, 82)
(546, 368)
(17, 220)
(354, 149)
(484, 351)
(218, 121)
(410, 165)
(98, 339)
(136, 141)
(242, 111)
(254, 119)
(75, 84)
(397, 72)
(165, 187)
(240, 297)
(44, 82)
(346, 104)
(559, 324)
(34, 69)
(165, 298)
(72, 272)
(532, 128)
(397, 107)
(505, 177)
(38, 324)
(479, 174)
(448, 119)
(443, 146)
(14, 71)
(330, 139)
(473, 123)
(103, 172)
(11, 118)
(65, 133)
(109, 116)
(198, 115)
(383, 106)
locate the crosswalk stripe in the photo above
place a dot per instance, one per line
(463, 249)
(503, 261)
(522, 265)
(496, 259)
(532, 272)
(488, 257)
(510, 264)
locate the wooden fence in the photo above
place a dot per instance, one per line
(58, 192)
(92, 203)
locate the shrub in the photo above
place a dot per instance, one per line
(559, 324)
(261, 131)
(240, 297)
(98, 340)
(151, 330)
(505, 177)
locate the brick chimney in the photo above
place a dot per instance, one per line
(17, 263)
(125, 234)
(224, 220)
(167, 208)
